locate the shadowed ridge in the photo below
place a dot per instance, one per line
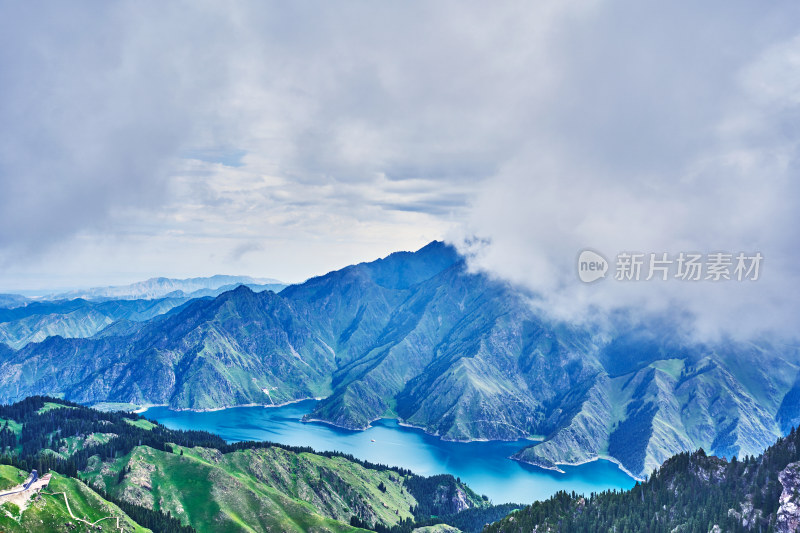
(399, 270)
(5, 351)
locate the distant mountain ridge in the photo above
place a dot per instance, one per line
(8, 301)
(419, 337)
(162, 287)
(77, 318)
(82, 314)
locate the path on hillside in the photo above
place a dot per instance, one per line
(21, 496)
(90, 524)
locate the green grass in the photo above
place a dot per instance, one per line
(48, 512)
(49, 406)
(12, 509)
(10, 477)
(672, 367)
(439, 528)
(255, 490)
(75, 444)
(141, 423)
(13, 425)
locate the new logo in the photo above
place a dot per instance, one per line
(591, 266)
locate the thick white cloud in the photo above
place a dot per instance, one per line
(655, 144)
(278, 139)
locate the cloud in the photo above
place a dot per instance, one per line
(96, 103)
(102, 110)
(148, 139)
(654, 143)
(245, 248)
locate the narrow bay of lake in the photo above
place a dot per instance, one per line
(484, 466)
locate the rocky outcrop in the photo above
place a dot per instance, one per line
(453, 501)
(789, 510)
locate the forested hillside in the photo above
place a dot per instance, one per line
(691, 493)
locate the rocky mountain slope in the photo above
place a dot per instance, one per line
(75, 318)
(237, 349)
(419, 337)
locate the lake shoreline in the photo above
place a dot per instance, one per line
(579, 463)
(484, 465)
(304, 419)
(145, 407)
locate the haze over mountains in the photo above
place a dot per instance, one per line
(84, 313)
(151, 289)
(76, 318)
(419, 337)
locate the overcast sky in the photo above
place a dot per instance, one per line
(284, 140)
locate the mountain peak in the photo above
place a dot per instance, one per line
(239, 293)
(401, 270)
(242, 289)
(435, 245)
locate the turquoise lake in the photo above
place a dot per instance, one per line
(484, 466)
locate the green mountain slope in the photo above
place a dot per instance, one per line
(153, 473)
(267, 489)
(48, 512)
(643, 418)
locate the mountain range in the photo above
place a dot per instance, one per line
(420, 337)
(81, 314)
(121, 472)
(164, 287)
(153, 288)
(77, 318)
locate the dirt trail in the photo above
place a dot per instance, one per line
(21, 496)
(90, 524)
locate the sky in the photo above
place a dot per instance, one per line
(284, 140)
